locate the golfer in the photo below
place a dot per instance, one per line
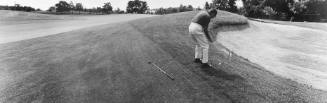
(198, 30)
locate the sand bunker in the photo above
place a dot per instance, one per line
(293, 52)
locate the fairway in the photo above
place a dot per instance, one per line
(15, 26)
(109, 63)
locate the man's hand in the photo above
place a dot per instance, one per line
(210, 40)
(207, 34)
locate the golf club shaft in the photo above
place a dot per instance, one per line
(169, 76)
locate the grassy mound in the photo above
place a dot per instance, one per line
(108, 63)
(227, 18)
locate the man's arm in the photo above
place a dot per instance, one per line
(205, 30)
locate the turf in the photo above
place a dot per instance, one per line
(109, 63)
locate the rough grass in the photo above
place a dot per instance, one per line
(108, 63)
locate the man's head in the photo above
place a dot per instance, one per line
(212, 13)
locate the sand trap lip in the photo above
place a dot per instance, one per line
(312, 25)
(28, 29)
(293, 52)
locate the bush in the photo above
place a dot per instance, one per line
(269, 12)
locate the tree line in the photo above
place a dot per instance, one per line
(226, 5)
(18, 7)
(135, 6)
(64, 7)
(169, 10)
(292, 10)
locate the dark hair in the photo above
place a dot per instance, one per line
(212, 11)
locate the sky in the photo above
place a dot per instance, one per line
(45, 4)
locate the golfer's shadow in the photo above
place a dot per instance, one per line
(221, 74)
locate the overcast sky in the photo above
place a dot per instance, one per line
(45, 4)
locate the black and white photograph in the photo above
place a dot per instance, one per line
(163, 51)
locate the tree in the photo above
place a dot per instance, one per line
(62, 6)
(207, 6)
(173, 10)
(324, 9)
(316, 9)
(118, 11)
(144, 7)
(160, 11)
(228, 5)
(107, 8)
(220, 4)
(189, 8)
(183, 8)
(198, 8)
(313, 6)
(269, 12)
(298, 9)
(17, 7)
(253, 8)
(52, 9)
(99, 9)
(71, 6)
(137, 6)
(27, 9)
(232, 6)
(281, 6)
(79, 7)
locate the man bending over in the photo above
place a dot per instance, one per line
(198, 30)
